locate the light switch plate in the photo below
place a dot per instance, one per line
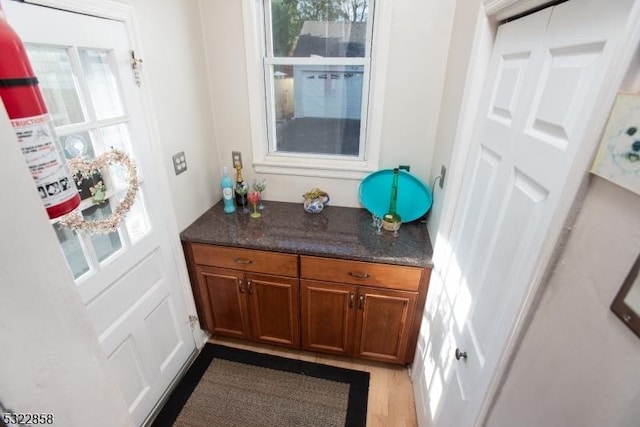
(236, 156)
(179, 162)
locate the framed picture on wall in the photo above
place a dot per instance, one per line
(626, 304)
(618, 158)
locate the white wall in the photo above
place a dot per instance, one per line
(175, 70)
(451, 119)
(578, 363)
(50, 360)
(420, 33)
(418, 51)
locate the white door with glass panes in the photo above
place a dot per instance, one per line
(128, 279)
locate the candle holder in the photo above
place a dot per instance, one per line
(254, 199)
(377, 223)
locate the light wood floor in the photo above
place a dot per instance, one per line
(391, 401)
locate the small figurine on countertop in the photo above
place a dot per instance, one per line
(227, 191)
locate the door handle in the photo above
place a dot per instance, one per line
(358, 275)
(361, 301)
(352, 298)
(242, 260)
(461, 354)
(250, 287)
(240, 286)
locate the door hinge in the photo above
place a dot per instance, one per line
(193, 321)
(136, 65)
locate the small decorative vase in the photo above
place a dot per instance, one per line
(315, 205)
(315, 200)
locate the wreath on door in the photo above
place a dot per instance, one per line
(84, 169)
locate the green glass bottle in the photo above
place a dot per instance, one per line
(391, 220)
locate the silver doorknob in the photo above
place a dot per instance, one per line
(461, 354)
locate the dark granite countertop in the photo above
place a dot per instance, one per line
(336, 232)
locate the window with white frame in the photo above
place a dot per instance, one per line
(316, 58)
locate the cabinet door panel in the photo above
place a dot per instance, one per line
(383, 324)
(273, 303)
(327, 316)
(224, 302)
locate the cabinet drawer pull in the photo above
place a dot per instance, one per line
(358, 275)
(242, 260)
(240, 287)
(361, 302)
(250, 287)
(352, 298)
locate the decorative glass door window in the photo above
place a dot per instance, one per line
(83, 95)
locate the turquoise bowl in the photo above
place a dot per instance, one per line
(414, 196)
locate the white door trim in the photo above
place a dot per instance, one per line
(481, 51)
(126, 14)
(503, 9)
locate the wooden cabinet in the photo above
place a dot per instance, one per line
(222, 303)
(352, 308)
(273, 309)
(383, 324)
(236, 296)
(360, 309)
(327, 316)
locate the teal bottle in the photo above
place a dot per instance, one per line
(227, 191)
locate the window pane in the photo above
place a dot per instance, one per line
(318, 108)
(80, 145)
(72, 250)
(105, 245)
(136, 220)
(102, 81)
(116, 137)
(304, 28)
(57, 83)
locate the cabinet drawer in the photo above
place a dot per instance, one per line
(361, 273)
(246, 260)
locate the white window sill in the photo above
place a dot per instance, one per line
(354, 170)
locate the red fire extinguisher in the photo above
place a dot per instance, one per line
(33, 126)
